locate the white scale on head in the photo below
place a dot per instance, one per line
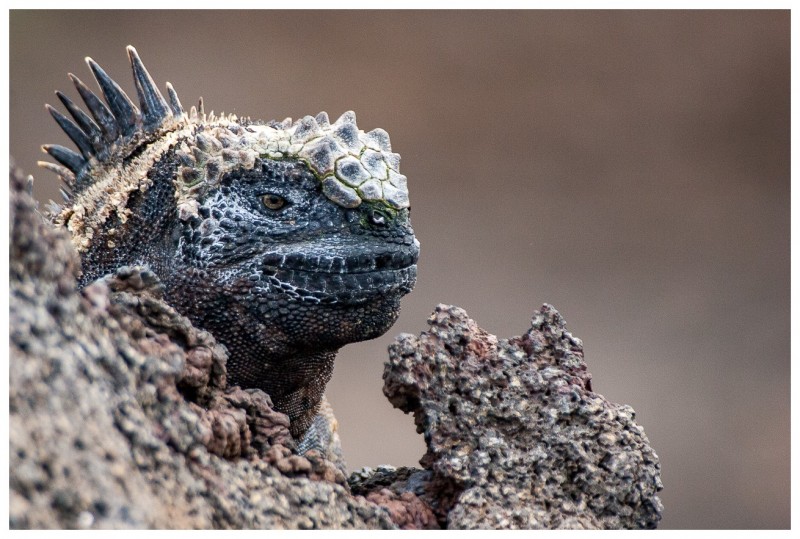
(352, 165)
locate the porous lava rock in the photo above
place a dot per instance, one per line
(515, 436)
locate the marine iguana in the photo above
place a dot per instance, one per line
(285, 240)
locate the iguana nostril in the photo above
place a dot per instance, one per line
(377, 218)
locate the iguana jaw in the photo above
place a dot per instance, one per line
(347, 278)
(347, 288)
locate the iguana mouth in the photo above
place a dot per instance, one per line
(390, 260)
(345, 287)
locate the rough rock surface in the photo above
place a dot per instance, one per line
(121, 417)
(515, 436)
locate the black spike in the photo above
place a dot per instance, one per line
(83, 120)
(73, 161)
(98, 109)
(73, 131)
(121, 106)
(174, 102)
(154, 108)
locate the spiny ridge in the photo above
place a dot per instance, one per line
(115, 126)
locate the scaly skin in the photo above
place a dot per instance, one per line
(283, 253)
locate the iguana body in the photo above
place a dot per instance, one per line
(284, 240)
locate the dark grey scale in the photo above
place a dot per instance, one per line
(272, 259)
(365, 262)
(301, 281)
(337, 264)
(377, 280)
(383, 260)
(296, 261)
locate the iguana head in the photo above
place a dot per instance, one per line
(286, 240)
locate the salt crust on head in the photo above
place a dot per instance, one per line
(353, 166)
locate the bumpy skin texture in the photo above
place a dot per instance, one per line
(285, 240)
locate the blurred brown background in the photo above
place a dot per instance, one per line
(631, 168)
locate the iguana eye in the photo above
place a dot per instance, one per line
(272, 201)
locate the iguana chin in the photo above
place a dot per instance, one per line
(286, 240)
